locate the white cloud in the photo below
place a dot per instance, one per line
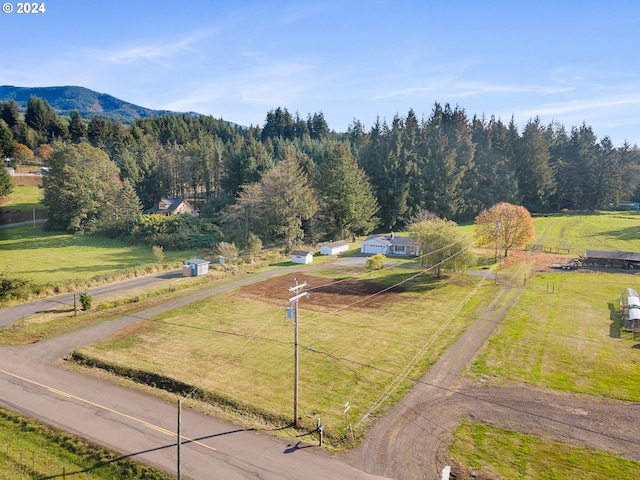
(157, 51)
(446, 88)
(584, 105)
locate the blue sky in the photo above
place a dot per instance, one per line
(566, 61)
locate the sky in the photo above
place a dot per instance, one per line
(566, 61)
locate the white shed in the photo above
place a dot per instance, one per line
(301, 256)
(333, 248)
(197, 266)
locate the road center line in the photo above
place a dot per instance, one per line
(111, 410)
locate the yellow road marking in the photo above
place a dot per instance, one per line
(111, 410)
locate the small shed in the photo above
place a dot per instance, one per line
(333, 248)
(196, 267)
(301, 256)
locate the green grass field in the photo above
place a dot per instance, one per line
(240, 344)
(31, 450)
(516, 456)
(565, 334)
(604, 231)
(23, 198)
(54, 257)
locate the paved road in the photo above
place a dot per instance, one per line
(144, 428)
(129, 421)
(13, 314)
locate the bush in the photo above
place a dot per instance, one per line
(86, 300)
(158, 252)
(375, 262)
(14, 287)
(178, 232)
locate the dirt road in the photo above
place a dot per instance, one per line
(412, 441)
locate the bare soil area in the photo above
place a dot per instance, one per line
(324, 292)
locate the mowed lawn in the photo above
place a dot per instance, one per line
(23, 198)
(565, 332)
(514, 455)
(354, 346)
(603, 231)
(54, 257)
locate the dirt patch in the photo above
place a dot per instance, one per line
(542, 261)
(324, 292)
(27, 181)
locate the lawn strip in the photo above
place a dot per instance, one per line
(515, 455)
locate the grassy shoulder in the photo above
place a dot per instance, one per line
(64, 320)
(237, 348)
(515, 455)
(30, 450)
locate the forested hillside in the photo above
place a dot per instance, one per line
(88, 103)
(280, 181)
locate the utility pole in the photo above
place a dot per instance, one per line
(293, 301)
(179, 435)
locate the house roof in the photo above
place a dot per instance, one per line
(197, 261)
(390, 240)
(300, 253)
(338, 243)
(609, 255)
(167, 205)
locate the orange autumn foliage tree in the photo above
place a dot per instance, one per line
(504, 226)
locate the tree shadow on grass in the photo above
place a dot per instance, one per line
(628, 233)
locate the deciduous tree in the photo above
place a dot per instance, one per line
(44, 151)
(443, 245)
(254, 245)
(22, 154)
(81, 181)
(505, 226)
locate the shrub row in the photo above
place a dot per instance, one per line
(181, 388)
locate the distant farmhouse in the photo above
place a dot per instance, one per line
(390, 245)
(625, 205)
(172, 206)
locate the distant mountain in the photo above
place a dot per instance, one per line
(89, 103)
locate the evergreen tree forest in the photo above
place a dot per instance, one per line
(328, 184)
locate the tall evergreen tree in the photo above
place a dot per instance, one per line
(286, 199)
(98, 132)
(536, 179)
(41, 118)
(447, 156)
(246, 160)
(6, 183)
(77, 128)
(7, 143)
(9, 113)
(347, 199)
